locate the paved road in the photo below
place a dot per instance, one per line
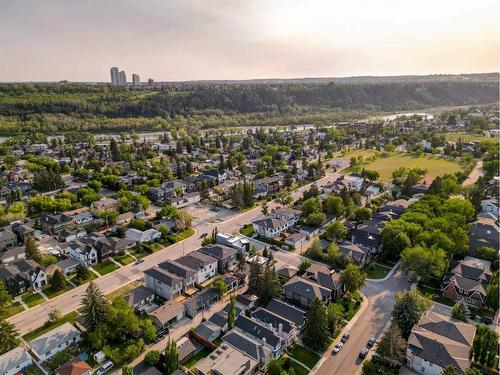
(380, 298)
(474, 174)
(28, 320)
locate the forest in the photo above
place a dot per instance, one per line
(56, 108)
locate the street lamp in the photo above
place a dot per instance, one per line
(182, 240)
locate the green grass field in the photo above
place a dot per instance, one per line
(355, 153)
(435, 166)
(124, 259)
(70, 318)
(51, 293)
(304, 356)
(105, 267)
(13, 309)
(124, 289)
(376, 271)
(32, 299)
(198, 356)
(470, 137)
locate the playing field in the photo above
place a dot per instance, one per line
(355, 153)
(470, 137)
(435, 166)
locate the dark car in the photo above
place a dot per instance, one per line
(371, 342)
(345, 337)
(363, 353)
(203, 235)
(486, 320)
(275, 248)
(139, 261)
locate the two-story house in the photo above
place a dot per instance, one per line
(53, 223)
(203, 264)
(22, 276)
(188, 275)
(269, 227)
(226, 256)
(286, 214)
(81, 252)
(163, 283)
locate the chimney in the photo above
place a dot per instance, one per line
(280, 328)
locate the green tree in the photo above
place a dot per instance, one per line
(8, 336)
(5, 297)
(220, 284)
(94, 306)
(310, 206)
(393, 345)
(231, 314)
(352, 278)
(54, 315)
(152, 358)
(450, 370)
(171, 358)
(335, 314)
(304, 265)
(270, 286)
(315, 219)
(408, 309)
(334, 205)
(362, 214)
(315, 250)
(284, 198)
(316, 334)
(424, 262)
(127, 370)
(254, 277)
(32, 251)
(460, 311)
(58, 281)
(492, 292)
(485, 345)
(336, 230)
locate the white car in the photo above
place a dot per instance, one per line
(337, 347)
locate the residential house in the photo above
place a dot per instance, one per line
(309, 232)
(284, 328)
(12, 254)
(83, 218)
(147, 235)
(159, 195)
(23, 275)
(355, 181)
(188, 275)
(398, 206)
(167, 314)
(139, 297)
(7, 239)
(124, 219)
(226, 360)
(226, 256)
(286, 214)
(267, 185)
(208, 331)
(216, 176)
(288, 312)
(358, 254)
(15, 361)
(326, 278)
(248, 345)
(205, 265)
(201, 301)
(67, 235)
(295, 239)
(67, 266)
(53, 223)
(490, 206)
(483, 232)
(269, 227)
(239, 243)
(368, 235)
(162, 283)
(81, 252)
(467, 281)
(75, 367)
(105, 204)
(438, 341)
(302, 292)
(261, 333)
(54, 341)
(23, 231)
(186, 199)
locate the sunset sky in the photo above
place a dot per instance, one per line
(171, 40)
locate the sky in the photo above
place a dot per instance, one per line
(176, 40)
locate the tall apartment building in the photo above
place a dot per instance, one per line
(151, 82)
(123, 78)
(115, 76)
(136, 80)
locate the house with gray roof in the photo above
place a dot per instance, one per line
(438, 341)
(47, 345)
(226, 256)
(325, 277)
(139, 297)
(248, 345)
(163, 283)
(208, 331)
(7, 239)
(188, 275)
(356, 253)
(170, 312)
(261, 334)
(13, 254)
(269, 227)
(14, 361)
(287, 311)
(201, 301)
(284, 328)
(205, 265)
(302, 292)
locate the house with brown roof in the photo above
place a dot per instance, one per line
(302, 292)
(326, 278)
(74, 367)
(438, 341)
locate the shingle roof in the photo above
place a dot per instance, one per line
(287, 311)
(54, 338)
(270, 223)
(306, 288)
(257, 330)
(218, 251)
(196, 260)
(162, 275)
(268, 317)
(244, 344)
(13, 358)
(177, 268)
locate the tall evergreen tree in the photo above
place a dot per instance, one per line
(409, 307)
(115, 150)
(231, 314)
(31, 250)
(171, 358)
(316, 335)
(58, 281)
(237, 197)
(393, 345)
(95, 306)
(8, 336)
(270, 286)
(254, 278)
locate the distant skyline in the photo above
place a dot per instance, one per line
(180, 40)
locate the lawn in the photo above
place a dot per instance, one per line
(195, 358)
(32, 299)
(434, 294)
(70, 318)
(92, 276)
(124, 259)
(304, 356)
(470, 137)
(247, 230)
(284, 362)
(365, 153)
(122, 290)
(51, 293)
(181, 235)
(13, 309)
(376, 271)
(435, 166)
(139, 253)
(105, 267)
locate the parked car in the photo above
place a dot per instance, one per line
(345, 337)
(203, 235)
(372, 341)
(104, 368)
(337, 347)
(363, 353)
(139, 261)
(486, 320)
(275, 248)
